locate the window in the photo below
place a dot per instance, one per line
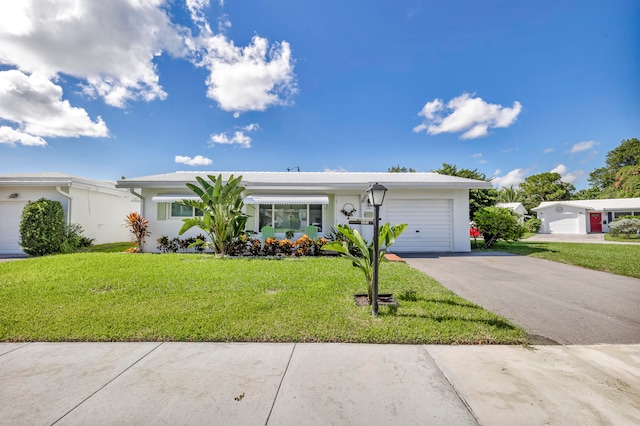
(181, 210)
(285, 217)
(620, 214)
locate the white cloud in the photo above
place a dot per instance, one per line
(250, 78)
(251, 127)
(35, 104)
(513, 178)
(198, 160)
(582, 146)
(238, 138)
(472, 116)
(477, 155)
(548, 150)
(110, 49)
(110, 45)
(565, 176)
(12, 136)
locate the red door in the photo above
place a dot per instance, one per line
(595, 220)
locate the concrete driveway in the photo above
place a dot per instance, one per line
(553, 302)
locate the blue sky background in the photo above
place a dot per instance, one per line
(509, 88)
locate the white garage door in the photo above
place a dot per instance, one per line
(10, 212)
(568, 224)
(429, 224)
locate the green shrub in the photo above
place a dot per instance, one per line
(497, 223)
(42, 227)
(74, 240)
(624, 226)
(533, 225)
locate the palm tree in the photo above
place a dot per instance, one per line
(510, 195)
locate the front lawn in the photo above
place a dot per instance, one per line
(615, 258)
(191, 297)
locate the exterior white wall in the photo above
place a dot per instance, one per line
(162, 224)
(549, 215)
(102, 214)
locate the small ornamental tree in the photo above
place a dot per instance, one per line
(42, 227)
(139, 227)
(497, 223)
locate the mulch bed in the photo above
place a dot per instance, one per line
(383, 300)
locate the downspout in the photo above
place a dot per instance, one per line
(141, 200)
(59, 189)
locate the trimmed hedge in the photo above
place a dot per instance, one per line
(42, 227)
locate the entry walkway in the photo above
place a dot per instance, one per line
(317, 384)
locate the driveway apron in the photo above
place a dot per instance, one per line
(553, 302)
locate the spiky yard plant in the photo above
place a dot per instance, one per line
(387, 235)
(221, 206)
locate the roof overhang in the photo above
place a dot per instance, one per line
(172, 198)
(286, 199)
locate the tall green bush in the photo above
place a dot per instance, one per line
(42, 227)
(497, 223)
(533, 225)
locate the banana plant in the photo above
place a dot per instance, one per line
(221, 206)
(387, 235)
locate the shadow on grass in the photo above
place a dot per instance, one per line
(496, 323)
(521, 247)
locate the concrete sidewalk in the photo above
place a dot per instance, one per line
(278, 384)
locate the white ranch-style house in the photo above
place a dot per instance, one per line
(584, 216)
(435, 206)
(96, 205)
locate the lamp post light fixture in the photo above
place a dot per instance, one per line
(375, 194)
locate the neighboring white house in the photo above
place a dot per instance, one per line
(517, 208)
(436, 207)
(584, 216)
(97, 206)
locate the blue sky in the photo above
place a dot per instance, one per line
(139, 87)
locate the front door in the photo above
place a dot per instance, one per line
(595, 221)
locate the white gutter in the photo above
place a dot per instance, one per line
(131, 190)
(69, 205)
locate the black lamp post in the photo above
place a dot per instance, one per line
(375, 193)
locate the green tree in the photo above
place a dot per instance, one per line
(478, 198)
(510, 195)
(398, 169)
(626, 154)
(42, 227)
(498, 223)
(587, 194)
(221, 206)
(545, 187)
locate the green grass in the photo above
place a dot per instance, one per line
(190, 297)
(615, 258)
(631, 239)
